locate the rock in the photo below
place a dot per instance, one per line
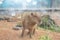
(17, 28)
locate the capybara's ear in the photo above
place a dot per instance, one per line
(31, 13)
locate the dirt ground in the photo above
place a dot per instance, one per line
(7, 33)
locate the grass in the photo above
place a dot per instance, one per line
(45, 37)
(54, 29)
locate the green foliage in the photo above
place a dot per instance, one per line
(48, 23)
(19, 24)
(45, 37)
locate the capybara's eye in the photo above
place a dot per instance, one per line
(31, 13)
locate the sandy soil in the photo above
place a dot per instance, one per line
(7, 33)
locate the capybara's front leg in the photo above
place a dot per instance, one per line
(22, 32)
(30, 33)
(34, 31)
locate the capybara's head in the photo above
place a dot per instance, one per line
(36, 18)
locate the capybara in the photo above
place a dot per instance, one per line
(28, 23)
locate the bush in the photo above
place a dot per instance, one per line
(48, 23)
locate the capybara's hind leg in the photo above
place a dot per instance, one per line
(28, 33)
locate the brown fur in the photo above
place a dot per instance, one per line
(29, 22)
